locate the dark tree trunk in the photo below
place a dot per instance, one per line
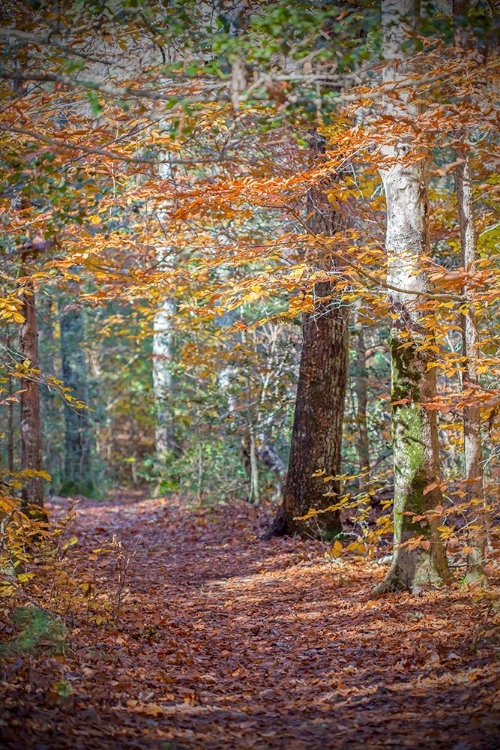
(31, 435)
(77, 478)
(317, 426)
(319, 406)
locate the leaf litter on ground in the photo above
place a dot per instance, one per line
(222, 640)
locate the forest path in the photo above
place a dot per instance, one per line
(226, 641)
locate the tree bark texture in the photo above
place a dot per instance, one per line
(414, 427)
(166, 443)
(31, 434)
(163, 357)
(319, 405)
(77, 477)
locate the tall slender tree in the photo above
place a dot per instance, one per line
(163, 357)
(474, 487)
(415, 436)
(163, 338)
(470, 347)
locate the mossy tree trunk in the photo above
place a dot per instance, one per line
(414, 427)
(319, 405)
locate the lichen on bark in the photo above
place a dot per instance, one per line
(415, 437)
(415, 466)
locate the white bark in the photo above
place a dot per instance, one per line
(163, 343)
(163, 350)
(415, 438)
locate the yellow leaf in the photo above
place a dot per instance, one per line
(95, 219)
(336, 549)
(25, 577)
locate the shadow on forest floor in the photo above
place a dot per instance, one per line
(225, 641)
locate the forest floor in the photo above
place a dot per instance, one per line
(225, 641)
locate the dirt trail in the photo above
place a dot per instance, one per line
(230, 642)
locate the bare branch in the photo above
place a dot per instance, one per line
(125, 92)
(47, 40)
(118, 92)
(68, 146)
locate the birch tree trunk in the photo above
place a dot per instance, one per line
(31, 434)
(319, 405)
(414, 427)
(163, 339)
(163, 357)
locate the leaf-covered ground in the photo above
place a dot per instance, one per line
(226, 641)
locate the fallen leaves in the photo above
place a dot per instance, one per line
(226, 641)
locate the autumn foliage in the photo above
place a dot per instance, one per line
(249, 290)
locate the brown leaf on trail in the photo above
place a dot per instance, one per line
(248, 635)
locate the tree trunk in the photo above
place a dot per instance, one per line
(163, 355)
(474, 487)
(319, 406)
(77, 477)
(31, 434)
(361, 387)
(254, 496)
(166, 443)
(415, 436)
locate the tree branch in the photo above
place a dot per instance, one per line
(68, 146)
(47, 40)
(118, 92)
